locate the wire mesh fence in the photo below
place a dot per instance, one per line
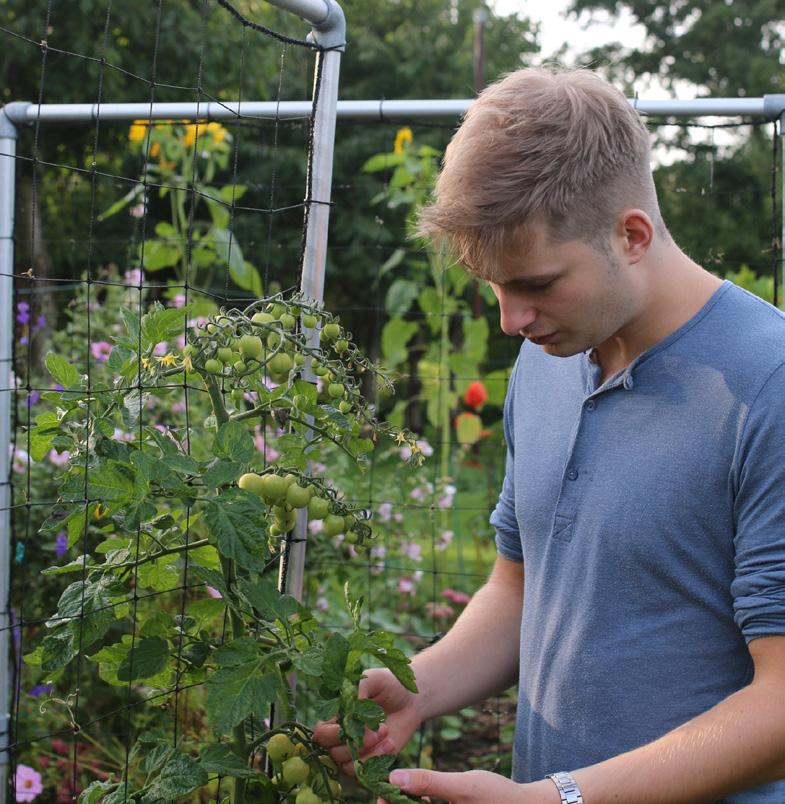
(130, 240)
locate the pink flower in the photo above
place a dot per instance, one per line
(177, 407)
(425, 448)
(161, 348)
(21, 461)
(322, 604)
(461, 598)
(446, 500)
(134, 277)
(28, 783)
(406, 586)
(412, 550)
(439, 611)
(101, 350)
(445, 538)
(137, 211)
(178, 300)
(317, 468)
(59, 458)
(213, 592)
(316, 526)
(385, 512)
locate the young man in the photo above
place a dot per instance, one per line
(638, 595)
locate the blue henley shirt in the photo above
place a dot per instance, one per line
(649, 514)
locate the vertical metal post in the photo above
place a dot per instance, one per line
(330, 33)
(8, 137)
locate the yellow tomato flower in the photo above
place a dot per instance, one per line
(147, 364)
(402, 138)
(218, 132)
(138, 131)
(168, 360)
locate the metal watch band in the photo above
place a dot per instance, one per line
(567, 786)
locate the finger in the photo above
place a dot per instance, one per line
(327, 734)
(449, 786)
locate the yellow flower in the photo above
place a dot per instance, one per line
(402, 138)
(189, 138)
(218, 132)
(400, 438)
(138, 131)
(166, 166)
(155, 149)
(168, 360)
(147, 364)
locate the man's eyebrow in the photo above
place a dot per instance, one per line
(538, 279)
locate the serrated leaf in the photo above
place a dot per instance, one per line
(336, 652)
(235, 693)
(43, 434)
(222, 760)
(222, 473)
(264, 596)
(57, 650)
(77, 565)
(211, 577)
(236, 521)
(148, 658)
(159, 623)
(178, 777)
(374, 772)
(62, 371)
(396, 334)
(95, 792)
(161, 575)
(233, 442)
(400, 295)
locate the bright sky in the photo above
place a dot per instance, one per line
(580, 34)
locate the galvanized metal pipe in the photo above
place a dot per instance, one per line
(8, 135)
(769, 107)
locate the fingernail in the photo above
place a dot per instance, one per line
(400, 778)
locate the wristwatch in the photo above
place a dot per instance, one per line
(567, 786)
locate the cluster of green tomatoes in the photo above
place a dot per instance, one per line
(303, 776)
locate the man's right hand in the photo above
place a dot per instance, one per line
(402, 720)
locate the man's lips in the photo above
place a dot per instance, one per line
(540, 340)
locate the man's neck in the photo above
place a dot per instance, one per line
(676, 289)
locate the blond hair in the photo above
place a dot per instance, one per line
(562, 147)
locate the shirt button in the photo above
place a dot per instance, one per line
(628, 383)
(572, 474)
(591, 404)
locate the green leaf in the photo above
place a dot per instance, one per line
(236, 520)
(233, 442)
(264, 596)
(395, 335)
(235, 693)
(77, 565)
(211, 577)
(148, 658)
(393, 261)
(221, 473)
(238, 651)
(247, 278)
(178, 777)
(400, 295)
(58, 649)
(382, 162)
(161, 575)
(43, 434)
(336, 652)
(496, 385)
(475, 338)
(162, 323)
(222, 760)
(134, 403)
(468, 427)
(62, 371)
(381, 646)
(159, 623)
(154, 255)
(88, 607)
(95, 792)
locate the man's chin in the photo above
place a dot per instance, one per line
(560, 348)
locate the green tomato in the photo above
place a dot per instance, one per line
(274, 487)
(335, 390)
(341, 345)
(189, 350)
(344, 406)
(299, 358)
(320, 371)
(334, 524)
(212, 329)
(225, 354)
(318, 507)
(280, 363)
(307, 796)
(262, 318)
(290, 478)
(310, 321)
(251, 346)
(213, 366)
(239, 366)
(280, 748)
(252, 482)
(295, 771)
(297, 496)
(238, 397)
(288, 321)
(332, 331)
(273, 340)
(277, 310)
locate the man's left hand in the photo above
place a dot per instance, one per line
(473, 787)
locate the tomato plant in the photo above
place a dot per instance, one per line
(183, 535)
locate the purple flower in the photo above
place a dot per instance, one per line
(40, 323)
(101, 350)
(61, 544)
(33, 398)
(40, 689)
(23, 313)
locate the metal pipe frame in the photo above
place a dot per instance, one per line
(8, 136)
(769, 107)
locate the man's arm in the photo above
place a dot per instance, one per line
(736, 745)
(479, 656)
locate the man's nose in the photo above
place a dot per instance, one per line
(516, 314)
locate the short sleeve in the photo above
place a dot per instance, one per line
(504, 518)
(759, 586)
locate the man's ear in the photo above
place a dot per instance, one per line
(635, 233)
